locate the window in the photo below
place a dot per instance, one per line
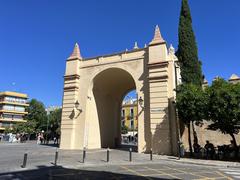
(8, 107)
(7, 116)
(131, 113)
(19, 108)
(123, 113)
(14, 99)
(123, 123)
(6, 124)
(17, 117)
(132, 124)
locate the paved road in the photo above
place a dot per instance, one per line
(70, 165)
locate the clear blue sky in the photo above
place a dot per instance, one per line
(36, 37)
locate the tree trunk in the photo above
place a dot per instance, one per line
(189, 139)
(195, 138)
(235, 144)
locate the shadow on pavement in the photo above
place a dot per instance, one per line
(59, 172)
(125, 147)
(50, 145)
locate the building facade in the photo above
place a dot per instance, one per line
(12, 109)
(129, 114)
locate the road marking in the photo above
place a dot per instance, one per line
(162, 172)
(218, 172)
(230, 170)
(232, 173)
(235, 173)
(212, 178)
(201, 176)
(136, 173)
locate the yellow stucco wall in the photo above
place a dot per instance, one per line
(127, 118)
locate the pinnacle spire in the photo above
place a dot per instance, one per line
(135, 45)
(157, 36)
(76, 53)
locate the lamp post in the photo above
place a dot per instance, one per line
(48, 112)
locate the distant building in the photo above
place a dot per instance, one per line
(129, 114)
(12, 109)
(234, 79)
(52, 108)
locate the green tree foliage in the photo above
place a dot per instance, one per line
(54, 121)
(224, 107)
(124, 129)
(187, 52)
(27, 127)
(8, 130)
(191, 104)
(37, 115)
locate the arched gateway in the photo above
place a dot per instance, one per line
(94, 89)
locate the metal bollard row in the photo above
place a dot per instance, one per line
(24, 160)
(108, 154)
(151, 155)
(24, 164)
(84, 154)
(56, 157)
(130, 154)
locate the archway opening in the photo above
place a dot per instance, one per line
(129, 121)
(109, 89)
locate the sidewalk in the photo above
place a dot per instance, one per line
(202, 161)
(43, 155)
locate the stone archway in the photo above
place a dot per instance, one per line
(109, 87)
(98, 84)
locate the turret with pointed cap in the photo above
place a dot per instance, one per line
(157, 48)
(234, 79)
(76, 53)
(157, 36)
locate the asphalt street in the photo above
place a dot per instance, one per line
(70, 165)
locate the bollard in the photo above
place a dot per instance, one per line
(108, 154)
(56, 157)
(24, 160)
(84, 154)
(179, 150)
(130, 154)
(151, 155)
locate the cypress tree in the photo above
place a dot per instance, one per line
(191, 70)
(187, 48)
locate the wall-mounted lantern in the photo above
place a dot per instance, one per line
(140, 101)
(76, 110)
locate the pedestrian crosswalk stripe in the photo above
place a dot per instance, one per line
(229, 170)
(235, 173)
(232, 172)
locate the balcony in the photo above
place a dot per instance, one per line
(14, 103)
(12, 111)
(11, 120)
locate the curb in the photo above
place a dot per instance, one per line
(208, 163)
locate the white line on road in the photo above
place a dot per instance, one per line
(233, 173)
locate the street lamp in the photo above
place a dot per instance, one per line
(77, 105)
(141, 102)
